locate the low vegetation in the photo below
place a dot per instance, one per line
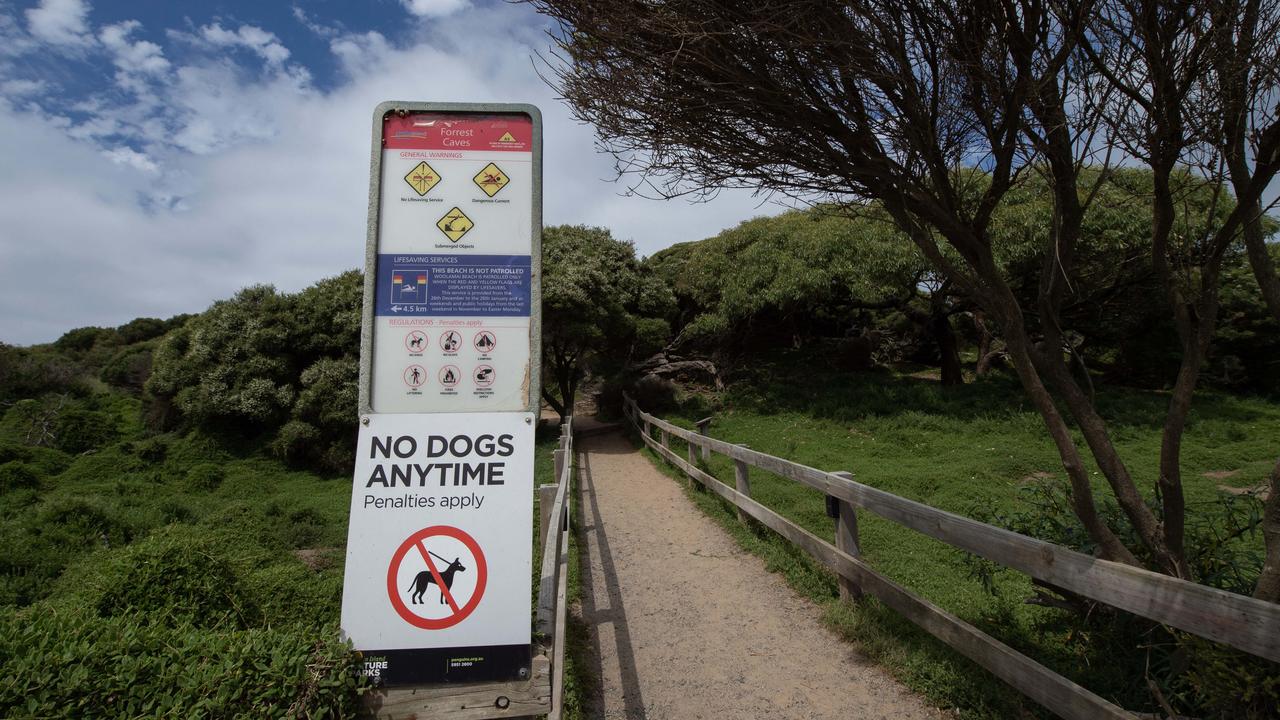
(980, 451)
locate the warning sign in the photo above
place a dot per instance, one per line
(491, 179)
(439, 551)
(422, 178)
(459, 582)
(455, 224)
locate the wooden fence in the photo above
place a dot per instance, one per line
(1236, 620)
(553, 506)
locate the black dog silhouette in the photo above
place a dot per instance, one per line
(425, 578)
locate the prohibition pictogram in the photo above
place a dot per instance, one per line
(450, 376)
(455, 224)
(491, 179)
(484, 341)
(415, 342)
(403, 581)
(422, 178)
(450, 342)
(415, 375)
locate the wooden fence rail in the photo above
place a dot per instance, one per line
(1236, 620)
(553, 579)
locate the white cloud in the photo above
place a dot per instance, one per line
(234, 178)
(434, 8)
(359, 53)
(319, 29)
(61, 22)
(21, 88)
(134, 57)
(264, 44)
(132, 158)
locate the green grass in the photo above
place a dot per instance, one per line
(154, 557)
(980, 451)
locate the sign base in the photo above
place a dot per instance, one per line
(491, 663)
(473, 701)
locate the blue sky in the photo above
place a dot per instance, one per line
(157, 156)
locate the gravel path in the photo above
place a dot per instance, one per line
(685, 624)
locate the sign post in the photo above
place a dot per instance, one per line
(439, 549)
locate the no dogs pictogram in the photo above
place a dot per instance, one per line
(458, 583)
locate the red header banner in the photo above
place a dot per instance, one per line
(441, 131)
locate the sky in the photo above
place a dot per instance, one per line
(156, 155)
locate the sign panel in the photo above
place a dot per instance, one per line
(439, 550)
(453, 263)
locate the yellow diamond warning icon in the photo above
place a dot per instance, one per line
(422, 178)
(506, 137)
(455, 224)
(491, 179)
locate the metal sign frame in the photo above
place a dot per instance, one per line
(367, 327)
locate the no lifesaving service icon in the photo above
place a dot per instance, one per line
(455, 224)
(421, 562)
(422, 178)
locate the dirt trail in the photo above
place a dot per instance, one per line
(684, 624)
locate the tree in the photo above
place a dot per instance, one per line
(784, 279)
(598, 309)
(900, 102)
(1195, 85)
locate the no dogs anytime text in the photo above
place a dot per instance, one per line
(459, 461)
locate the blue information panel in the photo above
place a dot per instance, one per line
(454, 285)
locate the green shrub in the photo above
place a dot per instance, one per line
(84, 520)
(296, 443)
(45, 461)
(16, 475)
(172, 511)
(177, 576)
(77, 430)
(1228, 683)
(129, 367)
(87, 667)
(205, 476)
(152, 450)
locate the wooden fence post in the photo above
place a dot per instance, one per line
(742, 481)
(847, 541)
(558, 454)
(702, 430)
(666, 438)
(546, 498)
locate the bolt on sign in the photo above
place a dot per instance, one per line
(439, 549)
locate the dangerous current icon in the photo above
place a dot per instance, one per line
(416, 568)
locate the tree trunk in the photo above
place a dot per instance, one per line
(948, 349)
(1268, 587)
(555, 404)
(985, 356)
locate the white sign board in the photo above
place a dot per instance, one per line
(439, 549)
(453, 283)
